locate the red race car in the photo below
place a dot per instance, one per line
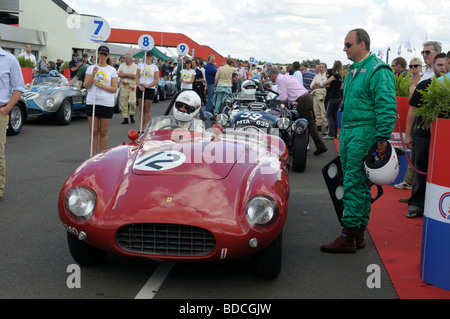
(179, 193)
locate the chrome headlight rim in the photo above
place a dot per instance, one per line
(49, 103)
(261, 210)
(283, 123)
(80, 202)
(222, 119)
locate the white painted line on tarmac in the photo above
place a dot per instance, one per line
(153, 284)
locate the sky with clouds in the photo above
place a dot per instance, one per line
(283, 31)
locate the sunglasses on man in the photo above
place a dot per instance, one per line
(348, 45)
(427, 52)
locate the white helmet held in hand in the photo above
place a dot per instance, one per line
(382, 171)
(187, 106)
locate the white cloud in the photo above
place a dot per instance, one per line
(282, 30)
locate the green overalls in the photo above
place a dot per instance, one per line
(369, 116)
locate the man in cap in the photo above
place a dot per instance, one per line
(41, 66)
(73, 65)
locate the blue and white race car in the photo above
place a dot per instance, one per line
(53, 96)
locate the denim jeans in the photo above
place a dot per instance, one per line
(332, 109)
(209, 105)
(421, 146)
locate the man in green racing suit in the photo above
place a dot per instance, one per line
(369, 117)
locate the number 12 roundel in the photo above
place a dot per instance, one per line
(160, 161)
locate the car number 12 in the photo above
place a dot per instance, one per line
(160, 161)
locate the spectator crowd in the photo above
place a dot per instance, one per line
(138, 79)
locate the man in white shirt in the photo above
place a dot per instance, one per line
(127, 74)
(430, 50)
(318, 95)
(28, 55)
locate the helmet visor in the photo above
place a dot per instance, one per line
(183, 107)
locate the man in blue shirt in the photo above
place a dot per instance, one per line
(11, 88)
(210, 74)
(308, 77)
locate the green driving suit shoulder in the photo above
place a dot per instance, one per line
(369, 97)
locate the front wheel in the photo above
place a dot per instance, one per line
(156, 97)
(16, 119)
(163, 95)
(83, 253)
(300, 151)
(64, 113)
(268, 261)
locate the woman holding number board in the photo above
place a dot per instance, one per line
(101, 82)
(187, 76)
(147, 78)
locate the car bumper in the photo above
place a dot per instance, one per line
(176, 242)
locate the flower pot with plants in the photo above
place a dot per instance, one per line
(27, 67)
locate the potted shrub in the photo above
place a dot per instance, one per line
(436, 102)
(64, 69)
(27, 67)
(402, 92)
(402, 84)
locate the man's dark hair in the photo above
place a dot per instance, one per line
(400, 61)
(439, 56)
(362, 35)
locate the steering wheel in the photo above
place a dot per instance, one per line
(174, 126)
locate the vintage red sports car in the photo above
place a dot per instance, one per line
(176, 194)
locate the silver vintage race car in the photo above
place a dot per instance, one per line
(166, 88)
(53, 96)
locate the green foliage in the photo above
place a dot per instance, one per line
(402, 84)
(25, 63)
(308, 63)
(435, 102)
(64, 66)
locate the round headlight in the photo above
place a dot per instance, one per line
(261, 210)
(80, 202)
(49, 102)
(222, 119)
(283, 123)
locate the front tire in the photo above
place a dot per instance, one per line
(64, 113)
(163, 95)
(83, 253)
(156, 98)
(300, 151)
(268, 261)
(16, 119)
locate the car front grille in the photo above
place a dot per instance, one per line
(165, 239)
(34, 112)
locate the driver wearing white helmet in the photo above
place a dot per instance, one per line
(185, 110)
(248, 90)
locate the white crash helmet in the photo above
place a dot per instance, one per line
(245, 87)
(385, 171)
(192, 103)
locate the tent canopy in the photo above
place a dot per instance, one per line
(156, 53)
